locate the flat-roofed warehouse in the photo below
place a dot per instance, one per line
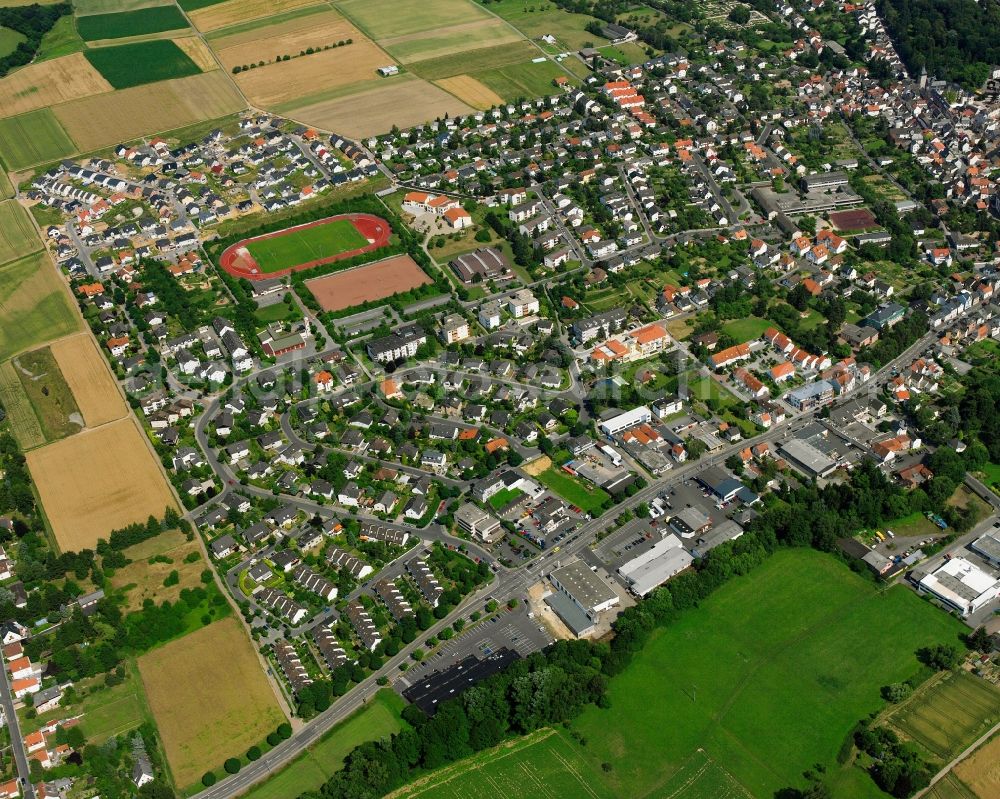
(488, 263)
(587, 590)
(805, 455)
(962, 585)
(656, 565)
(988, 545)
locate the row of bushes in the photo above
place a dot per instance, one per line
(233, 764)
(308, 51)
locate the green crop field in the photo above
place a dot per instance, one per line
(9, 40)
(126, 65)
(544, 765)
(572, 490)
(547, 18)
(17, 234)
(34, 307)
(767, 678)
(305, 245)
(473, 60)
(378, 719)
(130, 23)
(33, 138)
(194, 5)
(523, 80)
(387, 19)
(948, 715)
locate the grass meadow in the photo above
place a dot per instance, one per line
(543, 765)
(573, 490)
(305, 245)
(34, 307)
(766, 678)
(378, 719)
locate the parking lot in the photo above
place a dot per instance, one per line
(510, 628)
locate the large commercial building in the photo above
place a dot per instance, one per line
(584, 587)
(656, 565)
(486, 263)
(988, 545)
(961, 585)
(806, 457)
(478, 523)
(623, 421)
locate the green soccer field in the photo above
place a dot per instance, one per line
(767, 677)
(309, 244)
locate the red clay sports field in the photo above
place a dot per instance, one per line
(332, 239)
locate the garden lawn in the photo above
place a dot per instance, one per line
(748, 329)
(126, 65)
(305, 245)
(130, 23)
(768, 677)
(504, 497)
(572, 490)
(378, 719)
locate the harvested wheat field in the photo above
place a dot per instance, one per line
(87, 375)
(199, 52)
(152, 563)
(981, 771)
(98, 481)
(49, 83)
(289, 36)
(469, 90)
(405, 101)
(225, 706)
(367, 283)
(233, 12)
(106, 119)
(288, 81)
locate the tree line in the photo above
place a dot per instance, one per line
(33, 22)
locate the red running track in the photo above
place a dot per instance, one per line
(238, 261)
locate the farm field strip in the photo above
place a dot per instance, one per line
(98, 481)
(388, 19)
(403, 101)
(127, 65)
(232, 12)
(474, 60)
(48, 392)
(86, 7)
(34, 305)
(23, 419)
(103, 120)
(33, 138)
(226, 707)
(471, 91)
(17, 234)
(87, 374)
(285, 82)
(981, 770)
(455, 39)
(48, 83)
(123, 24)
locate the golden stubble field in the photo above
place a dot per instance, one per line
(97, 481)
(402, 101)
(981, 771)
(87, 375)
(49, 83)
(234, 12)
(469, 90)
(106, 119)
(210, 698)
(199, 52)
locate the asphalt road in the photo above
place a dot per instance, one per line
(17, 741)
